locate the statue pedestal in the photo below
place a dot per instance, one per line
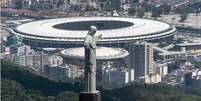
(87, 96)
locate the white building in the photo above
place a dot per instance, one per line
(55, 60)
(63, 71)
(141, 59)
(73, 71)
(161, 69)
(24, 49)
(117, 76)
(36, 61)
(153, 79)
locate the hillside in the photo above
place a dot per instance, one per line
(20, 85)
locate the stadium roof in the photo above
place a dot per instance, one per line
(102, 53)
(140, 28)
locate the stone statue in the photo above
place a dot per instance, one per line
(90, 60)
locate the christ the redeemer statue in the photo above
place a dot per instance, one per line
(90, 60)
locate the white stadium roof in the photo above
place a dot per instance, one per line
(141, 28)
(101, 53)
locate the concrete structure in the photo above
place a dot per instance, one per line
(55, 61)
(161, 69)
(102, 53)
(91, 3)
(74, 72)
(190, 47)
(24, 49)
(63, 71)
(113, 77)
(107, 59)
(141, 60)
(36, 61)
(116, 31)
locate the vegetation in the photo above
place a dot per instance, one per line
(197, 65)
(30, 81)
(156, 12)
(191, 8)
(115, 4)
(20, 85)
(13, 91)
(180, 40)
(140, 12)
(143, 92)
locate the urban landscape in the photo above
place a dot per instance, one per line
(129, 50)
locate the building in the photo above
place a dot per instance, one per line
(190, 47)
(83, 2)
(63, 71)
(35, 60)
(24, 49)
(4, 2)
(161, 69)
(115, 77)
(141, 59)
(55, 60)
(116, 31)
(74, 71)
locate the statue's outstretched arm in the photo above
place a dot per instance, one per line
(98, 37)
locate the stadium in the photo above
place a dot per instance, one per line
(116, 31)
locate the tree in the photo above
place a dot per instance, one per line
(183, 17)
(67, 96)
(140, 13)
(156, 12)
(197, 65)
(132, 11)
(147, 7)
(135, 1)
(14, 91)
(165, 8)
(180, 40)
(18, 4)
(115, 4)
(60, 2)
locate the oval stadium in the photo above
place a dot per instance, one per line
(68, 32)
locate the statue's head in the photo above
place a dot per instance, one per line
(92, 30)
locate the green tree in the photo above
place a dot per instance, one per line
(156, 12)
(132, 11)
(183, 17)
(180, 40)
(67, 96)
(18, 4)
(165, 8)
(115, 5)
(135, 1)
(14, 91)
(197, 65)
(140, 12)
(147, 7)
(20, 85)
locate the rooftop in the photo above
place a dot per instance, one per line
(101, 53)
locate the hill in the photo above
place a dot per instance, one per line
(18, 84)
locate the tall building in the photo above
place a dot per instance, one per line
(141, 59)
(23, 49)
(92, 3)
(84, 2)
(63, 71)
(36, 61)
(55, 60)
(115, 76)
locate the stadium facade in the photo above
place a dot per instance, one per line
(116, 31)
